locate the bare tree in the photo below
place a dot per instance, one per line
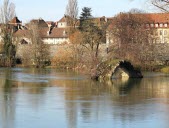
(64, 57)
(7, 12)
(163, 5)
(91, 35)
(130, 37)
(72, 9)
(72, 13)
(40, 51)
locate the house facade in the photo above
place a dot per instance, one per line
(158, 22)
(62, 23)
(153, 41)
(55, 33)
(49, 32)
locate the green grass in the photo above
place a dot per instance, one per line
(165, 69)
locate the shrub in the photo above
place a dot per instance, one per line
(165, 69)
(63, 58)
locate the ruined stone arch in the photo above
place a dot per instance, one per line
(125, 69)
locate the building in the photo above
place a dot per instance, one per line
(159, 22)
(49, 33)
(154, 39)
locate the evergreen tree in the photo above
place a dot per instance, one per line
(85, 18)
(92, 34)
(86, 13)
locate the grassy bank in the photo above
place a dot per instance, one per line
(165, 69)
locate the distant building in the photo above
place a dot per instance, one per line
(159, 22)
(158, 36)
(62, 23)
(16, 24)
(55, 36)
(39, 22)
(49, 33)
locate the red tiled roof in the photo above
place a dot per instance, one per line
(40, 22)
(15, 20)
(151, 18)
(43, 31)
(155, 17)
(158, 17)
(55, 33)
(63, 19)
(22, 33)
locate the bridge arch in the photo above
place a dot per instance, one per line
(125, 69)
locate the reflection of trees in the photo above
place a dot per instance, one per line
(88, 101)
(79, 96)
(124, 87)
(13, 90)
(7, 105)
(139, 90)
(142, 100)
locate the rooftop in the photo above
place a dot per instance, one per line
(15, 20)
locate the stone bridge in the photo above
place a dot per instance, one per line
(125, 69)
(120, 70)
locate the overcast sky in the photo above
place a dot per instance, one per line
(53, 10)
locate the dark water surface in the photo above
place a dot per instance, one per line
(31, 98)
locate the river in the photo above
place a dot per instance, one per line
(48, 98)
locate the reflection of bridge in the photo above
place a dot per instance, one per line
(125, 69)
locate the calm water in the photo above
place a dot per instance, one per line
(32, 98)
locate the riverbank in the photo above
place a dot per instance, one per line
(83, 69)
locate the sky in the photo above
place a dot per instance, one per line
(54, 10)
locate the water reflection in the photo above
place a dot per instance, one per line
(124, 103)
(33, 98)
(7, 102)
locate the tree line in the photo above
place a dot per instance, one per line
(34, 54)
(131, 39)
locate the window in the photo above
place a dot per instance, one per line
(161, 32)
(161, 25)
(165, 25)
(152, 25)
(156, 25)
(165, 32)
